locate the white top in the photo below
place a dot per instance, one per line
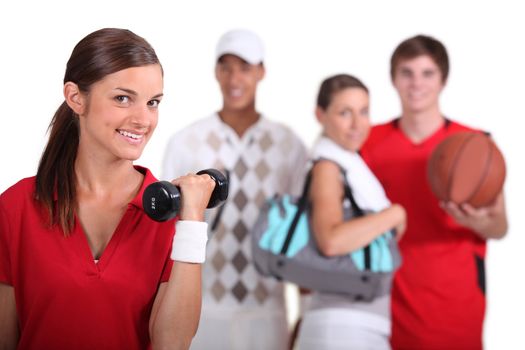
(268, 159)
(366, 188)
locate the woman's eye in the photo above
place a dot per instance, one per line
(153, 103)
(345, 113)
(122, 99)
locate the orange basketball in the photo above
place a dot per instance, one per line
(467, 167)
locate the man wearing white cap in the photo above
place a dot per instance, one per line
(241, 310)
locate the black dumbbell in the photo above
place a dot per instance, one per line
(161, 200)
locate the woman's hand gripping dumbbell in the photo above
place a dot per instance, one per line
(162, 200)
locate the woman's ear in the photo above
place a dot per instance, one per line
(74, 98)
(319, 114)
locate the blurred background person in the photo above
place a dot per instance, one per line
(241, 310)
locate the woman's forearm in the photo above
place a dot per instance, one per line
(176, 316)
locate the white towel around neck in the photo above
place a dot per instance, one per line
(367, 191)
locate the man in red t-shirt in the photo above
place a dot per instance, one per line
(438, 297)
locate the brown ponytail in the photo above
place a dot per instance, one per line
(56, 168)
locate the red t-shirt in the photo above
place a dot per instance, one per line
(64, 299)
(438, 299)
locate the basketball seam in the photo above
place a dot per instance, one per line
(453, 167)
(485, 172)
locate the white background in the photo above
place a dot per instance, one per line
(305, 41)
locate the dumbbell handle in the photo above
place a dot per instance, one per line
(161, 200)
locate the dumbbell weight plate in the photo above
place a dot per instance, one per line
(161, 200)
(220, 192)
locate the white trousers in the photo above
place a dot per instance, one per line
(338, 329)
(242, 330)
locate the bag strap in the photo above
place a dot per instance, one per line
(301, 206)
(303, 202)
(358, 212)
(350, 196)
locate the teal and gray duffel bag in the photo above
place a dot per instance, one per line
(284, 248)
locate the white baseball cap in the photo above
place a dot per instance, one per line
(241, 43)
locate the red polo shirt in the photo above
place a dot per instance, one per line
(438, 299)
(64, 299)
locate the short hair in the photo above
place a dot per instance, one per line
(417, 46)
(333, 85)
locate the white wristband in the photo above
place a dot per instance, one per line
(189, 242)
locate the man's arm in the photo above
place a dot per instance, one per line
(488, 222)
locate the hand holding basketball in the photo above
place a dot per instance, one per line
(467, 167)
